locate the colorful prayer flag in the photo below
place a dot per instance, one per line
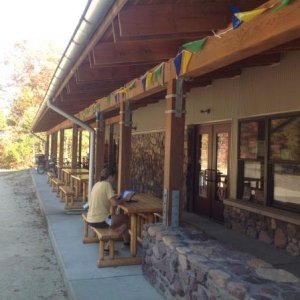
(235, 21)
(186, 58)
(159, 73)
(283, 3)
(149, 76)
(143, 80)
(177, 62)
(195, 46)
(247, 16)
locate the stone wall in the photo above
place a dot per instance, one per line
(268, 230)
(147, 162)
(187, 264)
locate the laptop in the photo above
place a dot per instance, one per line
(126, 195)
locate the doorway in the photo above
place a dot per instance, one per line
(211, 169)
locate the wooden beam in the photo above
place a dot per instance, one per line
(61, 146)
(125, 73)
(47, 146)
(168, 18)
(124, 152)
(174, 152)
(112, 120)
(92, 87)
(131, 52)
(74, 146)
(289, 46)
(111, 147)
(54, 144)
(265, 32)
(100, 150)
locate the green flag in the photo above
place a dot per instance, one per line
(158, 72)
(195, 46)
(283, 3)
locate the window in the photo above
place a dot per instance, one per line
(269, 161)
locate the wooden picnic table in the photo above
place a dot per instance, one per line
(80, 182)
(59, 170)
(68, 172)
(146, 204)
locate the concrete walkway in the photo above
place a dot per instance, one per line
(83, 279)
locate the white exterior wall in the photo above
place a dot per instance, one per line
(257, 91)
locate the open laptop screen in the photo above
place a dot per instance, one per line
(126, 195)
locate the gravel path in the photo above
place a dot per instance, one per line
(28, 266)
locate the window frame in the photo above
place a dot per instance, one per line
(268, 198)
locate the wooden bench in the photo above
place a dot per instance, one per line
(107, 235)
(56, 183)
(50, 175)
(110, 235)
(66, 194)
(86, 238)
(158, 218)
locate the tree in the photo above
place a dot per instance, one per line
(28, 74)
(2, 121)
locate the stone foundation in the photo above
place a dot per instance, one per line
(281, 234)
(187, 264)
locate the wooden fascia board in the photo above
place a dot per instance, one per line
(266, 31)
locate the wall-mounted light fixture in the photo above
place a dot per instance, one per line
(205, 111)
(134, 127)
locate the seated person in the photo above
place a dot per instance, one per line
(102, 199)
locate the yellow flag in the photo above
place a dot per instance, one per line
(186, 58)
(149, 79)
(247, 16)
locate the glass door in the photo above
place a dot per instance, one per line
(212, 151)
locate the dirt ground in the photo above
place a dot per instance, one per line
(28, 266)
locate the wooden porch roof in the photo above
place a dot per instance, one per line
(136, 35)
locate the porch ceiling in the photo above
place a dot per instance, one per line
(140, 35)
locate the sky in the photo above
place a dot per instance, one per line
(38, 22)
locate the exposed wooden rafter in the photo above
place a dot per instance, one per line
(135, 52)
(87, 74)
(174, 17)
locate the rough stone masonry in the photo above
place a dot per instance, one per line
(187, 264)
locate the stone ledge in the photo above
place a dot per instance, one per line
(271, 212)
(187, 264)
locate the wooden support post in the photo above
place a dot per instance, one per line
(80, 146)
(100, 148)
(124, 147)
(111, 147)
(61, 146)
(74, 146)
(174, 151)
(47, 146)
(54, 145)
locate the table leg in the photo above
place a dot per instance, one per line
(133, 236)
(76, 189)
(84, 192)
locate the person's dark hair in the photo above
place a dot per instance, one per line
(106, 172)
